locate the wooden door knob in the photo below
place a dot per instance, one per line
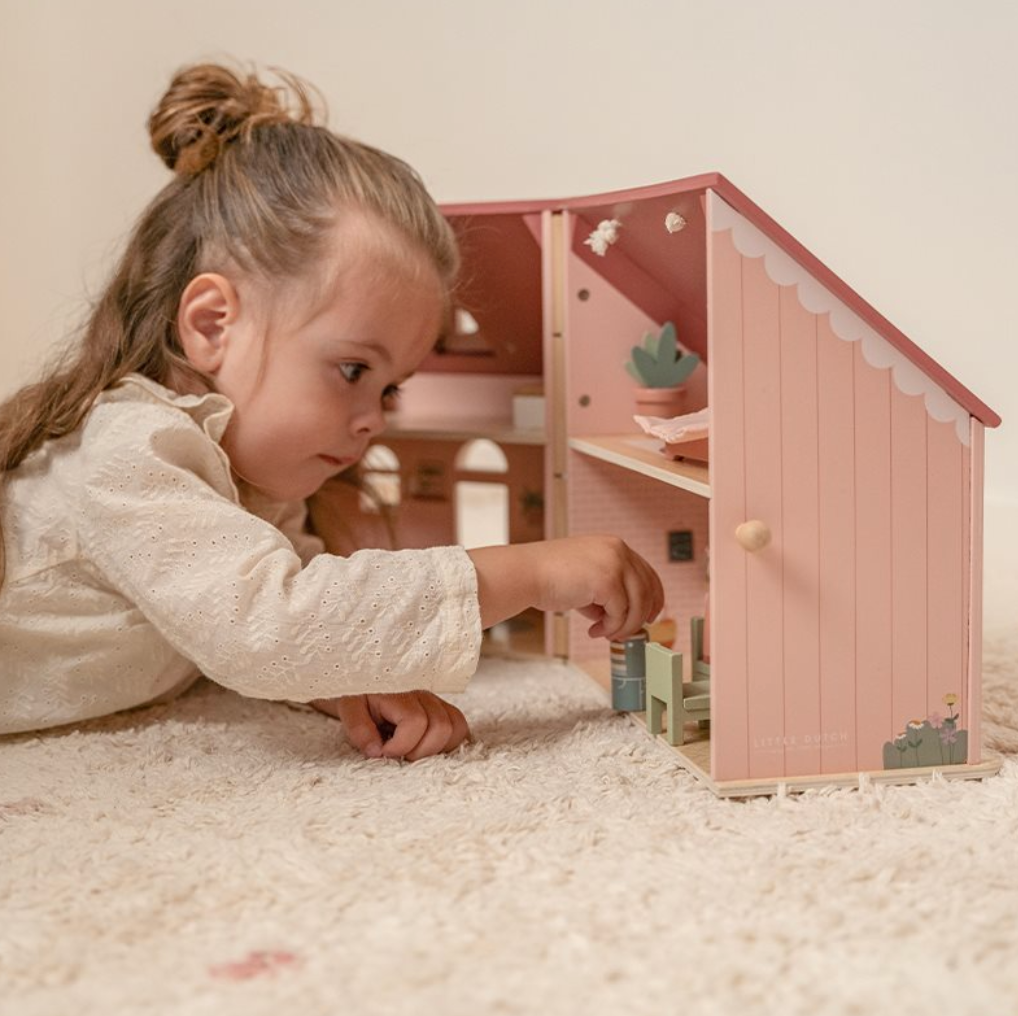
(753, 535)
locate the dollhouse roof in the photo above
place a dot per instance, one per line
(647, 249)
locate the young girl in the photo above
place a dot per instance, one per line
(270, 302)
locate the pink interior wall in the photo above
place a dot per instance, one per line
(853, 621)
(661, 272)
(602, 325)
(605, 498)
(429, 396)
(500, 285)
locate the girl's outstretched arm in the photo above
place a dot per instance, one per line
(599, 576)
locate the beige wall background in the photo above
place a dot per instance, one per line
(880, 134)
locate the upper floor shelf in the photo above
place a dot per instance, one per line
(640, 454)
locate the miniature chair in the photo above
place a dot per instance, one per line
(666, 690)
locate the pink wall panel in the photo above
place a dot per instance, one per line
(500, 285)
(762, 394)
(602, 325)
(946, 648)
(800, 535)
(975, 591)
(600, 331)
(663, 273)
(830, 640)
(729, 695)
(875, 723)
(604, 498)
(836, 504)
(909, 504)
(430, 396)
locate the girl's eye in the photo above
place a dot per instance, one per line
(352, 371)
(391, 396)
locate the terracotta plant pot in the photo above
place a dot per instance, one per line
(663, 402)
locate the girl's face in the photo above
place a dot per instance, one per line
(309, 389)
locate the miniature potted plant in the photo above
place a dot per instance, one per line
(662, 369)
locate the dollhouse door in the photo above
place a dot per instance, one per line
(846, 618)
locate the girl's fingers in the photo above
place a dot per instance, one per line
(410, 725)
(460, 728)
(637, 599)
(360, 726)
(424, 725)
(436, 736)
(409, 718)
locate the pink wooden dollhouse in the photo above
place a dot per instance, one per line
(840, 644)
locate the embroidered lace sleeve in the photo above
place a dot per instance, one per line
(290, 519)
(158, 520)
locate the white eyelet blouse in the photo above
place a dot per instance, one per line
(134, 563)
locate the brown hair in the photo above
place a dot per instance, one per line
(257, 185)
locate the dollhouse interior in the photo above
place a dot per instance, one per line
(519, 426)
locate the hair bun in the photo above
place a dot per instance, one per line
(207, 106)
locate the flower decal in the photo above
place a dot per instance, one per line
(936, 741)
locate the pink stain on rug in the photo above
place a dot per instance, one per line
(259, 963)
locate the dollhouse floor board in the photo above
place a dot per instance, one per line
(643, 455)
(695, 757)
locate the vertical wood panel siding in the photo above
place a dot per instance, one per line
(946, 579)
(974, 612)
(874, 717)
(857, 618)
(761, 328)
(800, 533)
(909, 526)
(729, 711)
(836, 445)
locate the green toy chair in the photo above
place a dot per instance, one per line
(685, 702)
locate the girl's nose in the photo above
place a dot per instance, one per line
(368, 421)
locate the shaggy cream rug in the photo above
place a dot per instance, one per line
(228, 856)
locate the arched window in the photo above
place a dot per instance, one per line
(482, 456)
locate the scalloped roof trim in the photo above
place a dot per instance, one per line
(816, 298)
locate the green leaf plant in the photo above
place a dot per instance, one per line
(659, 363)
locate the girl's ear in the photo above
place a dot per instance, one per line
(208, 307)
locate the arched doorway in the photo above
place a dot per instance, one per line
(482, 502)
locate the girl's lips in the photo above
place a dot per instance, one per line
(331, 460)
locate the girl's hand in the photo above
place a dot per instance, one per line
(599, 576)
(410, 725)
